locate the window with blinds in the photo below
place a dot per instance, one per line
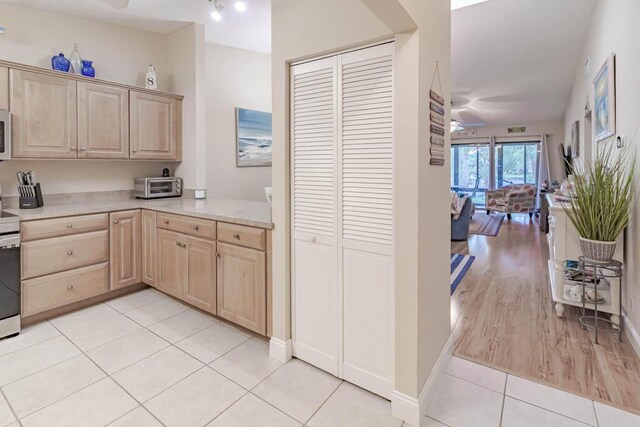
(314, 145)
(367, 150)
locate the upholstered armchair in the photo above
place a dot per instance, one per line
(520, 198)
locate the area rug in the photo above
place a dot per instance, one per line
(486, 225)
(459, 266)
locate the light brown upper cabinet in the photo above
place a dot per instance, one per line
(103, 122)
(44, 115)
(149, 251)
(126, 251)
(242, 286)
(155, 127)
(4, 88)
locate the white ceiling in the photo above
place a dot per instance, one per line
(514, 62)
(249, 30)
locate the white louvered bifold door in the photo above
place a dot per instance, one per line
(314, 115)
(366, 146)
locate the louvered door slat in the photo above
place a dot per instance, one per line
(367, 150)
(314, 150)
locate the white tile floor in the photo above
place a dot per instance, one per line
(147, 360)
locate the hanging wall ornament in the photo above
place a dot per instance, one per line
(436, 117)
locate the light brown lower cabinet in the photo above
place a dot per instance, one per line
(241, 286)
(172, 261)
(126, 251)
(200, 289)
(149, 251)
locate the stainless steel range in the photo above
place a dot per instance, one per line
(9, 274)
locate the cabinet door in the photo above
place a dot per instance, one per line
(126, 250)
(241, 286)
(149, 248)
(201, 274)
(44, 116)
(172, 263)
(155, 127)
(103, 122)
(4, 88)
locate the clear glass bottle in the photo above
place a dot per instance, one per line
(151, 79)
(76, 60)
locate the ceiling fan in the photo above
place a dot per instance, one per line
(116, 4)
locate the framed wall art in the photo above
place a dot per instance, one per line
(253, 138)
(604, 101)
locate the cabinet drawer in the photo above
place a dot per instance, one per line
(56, 290)
(49, 256)
(44, 229)
(242, 235)
(187, 225)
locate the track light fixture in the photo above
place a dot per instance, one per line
(216, 11)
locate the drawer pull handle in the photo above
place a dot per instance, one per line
(196, 228)
(69, 252)
(236, 236)
(69, 225)
(70, 287)
(181, 245)
(166, 222)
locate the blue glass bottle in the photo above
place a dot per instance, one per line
(87, 68)
(60, 63)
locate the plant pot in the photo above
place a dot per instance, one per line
(597, 251)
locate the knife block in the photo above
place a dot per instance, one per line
(32, 202)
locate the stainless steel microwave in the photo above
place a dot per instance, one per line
(5, 135)
(156, 188)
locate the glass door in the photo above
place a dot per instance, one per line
(516, 163)
(471, 170)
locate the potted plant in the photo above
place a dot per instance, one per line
(601, 206)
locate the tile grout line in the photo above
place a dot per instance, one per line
(324, 402)
(504, 398)
(476, 384)
(548, 410)
(275, 407)
(9, 405)
(141, 407)
(104, 372)
(593, 404)
(34, 344)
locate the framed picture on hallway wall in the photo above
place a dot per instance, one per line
(253, 138)
(604, 108)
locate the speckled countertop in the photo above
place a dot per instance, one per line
(255, 214)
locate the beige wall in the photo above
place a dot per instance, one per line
(306, 28)
(614, 28)
(120, 54)
(235, 78)
(186, 55)
(555, 136)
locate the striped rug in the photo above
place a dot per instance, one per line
(459, 266)
(486, 225)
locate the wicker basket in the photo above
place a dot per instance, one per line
(597, 251)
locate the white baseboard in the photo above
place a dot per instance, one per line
(280, 350)
(632, 333)
(412, 410)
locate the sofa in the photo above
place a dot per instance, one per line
(460, 226)
(519, 198)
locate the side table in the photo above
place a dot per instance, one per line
(601, 273)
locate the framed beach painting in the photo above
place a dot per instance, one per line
(253, 138)
(604, 108)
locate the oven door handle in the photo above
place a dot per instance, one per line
(9, 241)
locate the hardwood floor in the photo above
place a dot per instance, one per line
(506, 320)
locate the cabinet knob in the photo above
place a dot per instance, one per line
(69, 225)
(116, 221)
(69, 252)
(134, 150)
(166, 222)
(236, 236)
(313, 239)
(73, 148)
(70, 287)
(196, 228)
(82, 148)
(218, 255)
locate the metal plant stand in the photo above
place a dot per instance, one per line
(600, 273)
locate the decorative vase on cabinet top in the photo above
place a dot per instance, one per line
(87, 68)
(60, 63)
(76, 61)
